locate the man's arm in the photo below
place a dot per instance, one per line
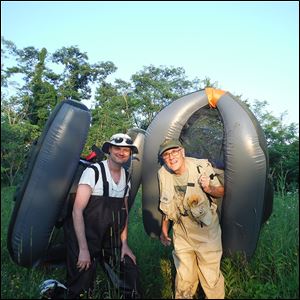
(215, 191)
(164, 236)
(82, 197)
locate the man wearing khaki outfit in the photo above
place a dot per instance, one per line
(189, 189)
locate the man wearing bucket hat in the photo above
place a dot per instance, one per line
(97, 228)
(188, 190)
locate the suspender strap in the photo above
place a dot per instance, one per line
(126, 182)
(105, 182)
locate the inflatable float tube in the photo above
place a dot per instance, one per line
(52, 165)
(228, 133)
(135, 169)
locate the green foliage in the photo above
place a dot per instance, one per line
(37, 97)
(109, 116)
(14, 280)
(283, 147)
(78, 73)
(154, 88)
(42, 98)
(272, 273)
(15, 143)
(121, 105)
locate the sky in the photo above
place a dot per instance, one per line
(250, 48)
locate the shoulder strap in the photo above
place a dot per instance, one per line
(96, 172)
(105, 182)
(217, 201)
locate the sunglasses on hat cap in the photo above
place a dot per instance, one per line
(119, 140)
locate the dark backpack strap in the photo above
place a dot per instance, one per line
(105, 182)
(96, 172)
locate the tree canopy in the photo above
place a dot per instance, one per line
(35, 80)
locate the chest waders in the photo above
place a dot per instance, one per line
(104, 220)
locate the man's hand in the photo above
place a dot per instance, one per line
(204, 181)
(125, 250)
(215, 191)
(84, 260)
(165, 239)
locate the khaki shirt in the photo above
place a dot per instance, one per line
(195, 202)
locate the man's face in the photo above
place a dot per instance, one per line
(119, 155)
(174, 159)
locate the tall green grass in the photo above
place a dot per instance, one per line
(272, 273)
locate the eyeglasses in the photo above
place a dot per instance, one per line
(175, 153)
(119, 140)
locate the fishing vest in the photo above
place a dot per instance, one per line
(196, 202)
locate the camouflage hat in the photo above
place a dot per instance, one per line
(168, 144)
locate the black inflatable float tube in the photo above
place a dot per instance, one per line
(248, 199)
(48, 178)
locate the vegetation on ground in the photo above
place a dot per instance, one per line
(272, 273)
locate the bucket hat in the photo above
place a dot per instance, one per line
(119, 140)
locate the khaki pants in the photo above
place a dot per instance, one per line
(197, 256)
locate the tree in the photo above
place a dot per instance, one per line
(78, 73)
(42, 97)
(36, 96)
(16, 141)
(153, 88)
(283, 146)
(110, 115)
(118, 106)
